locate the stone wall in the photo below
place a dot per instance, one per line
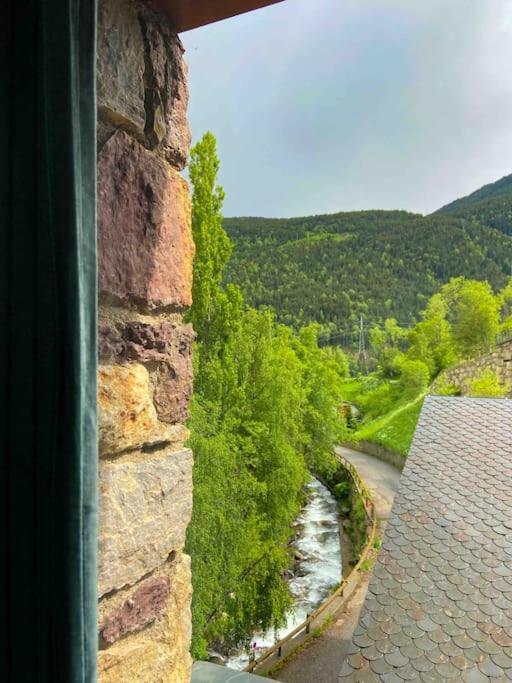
(145, 253)
(499, 361)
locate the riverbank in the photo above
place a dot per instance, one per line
(316, 572)
(321, 658)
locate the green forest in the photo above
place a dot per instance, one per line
(331, 269)
(491, 205)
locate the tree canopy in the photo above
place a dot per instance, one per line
(264, 414)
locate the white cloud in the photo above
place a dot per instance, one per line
(334, 105)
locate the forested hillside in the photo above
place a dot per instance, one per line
(490, 205)
(331, 268)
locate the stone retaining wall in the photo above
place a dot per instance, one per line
(145, 253)
(499, 361)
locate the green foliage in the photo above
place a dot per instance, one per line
(264, 407)
(388, 342)
(341, 491)
(331, 268)
(473, 313)
(505, 305)
(378, 399)
(358, 524)
(487, 385)
(352, 506)
(321, 420)
(431, 340)
(414, 377)
(266, 398)
(390, 335)
(443, 388)
(461, 320)
(389, 414)
(338, 359)
(213, 247)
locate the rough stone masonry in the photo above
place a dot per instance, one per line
(499, 361)
(145, 254)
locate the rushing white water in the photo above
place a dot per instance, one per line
(314, 577)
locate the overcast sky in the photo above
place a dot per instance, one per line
(332, 105)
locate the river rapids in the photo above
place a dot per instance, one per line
(317, 545)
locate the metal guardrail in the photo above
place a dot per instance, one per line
(305, 626)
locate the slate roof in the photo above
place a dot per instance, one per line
(439, 604)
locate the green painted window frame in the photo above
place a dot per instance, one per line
(48, 424)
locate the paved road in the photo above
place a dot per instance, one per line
(380, 477)
(322, 658)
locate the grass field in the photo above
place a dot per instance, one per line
(388, 418)
(393, 430)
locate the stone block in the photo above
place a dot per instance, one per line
(142, 78)
(145, 507)
(145, 247)
(127, 415)
(120, 66)
(166, 346)
(166, 81)
(160, 650)
(143, 607)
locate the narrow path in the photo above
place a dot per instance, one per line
(322, 658)
(380, 477)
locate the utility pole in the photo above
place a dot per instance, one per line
(362, 346)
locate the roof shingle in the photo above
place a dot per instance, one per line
(439, 604)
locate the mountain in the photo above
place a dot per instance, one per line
(333, 268)
(491, 205)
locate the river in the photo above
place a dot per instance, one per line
(318, 543)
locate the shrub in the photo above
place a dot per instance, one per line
(342, 491)
(445, 389)
(414, 376)
(378, 400)
(488, 385)
(389, 361)
(473, 313)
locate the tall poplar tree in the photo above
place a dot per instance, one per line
(213, 246)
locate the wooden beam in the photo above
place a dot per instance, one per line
(185, 15)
